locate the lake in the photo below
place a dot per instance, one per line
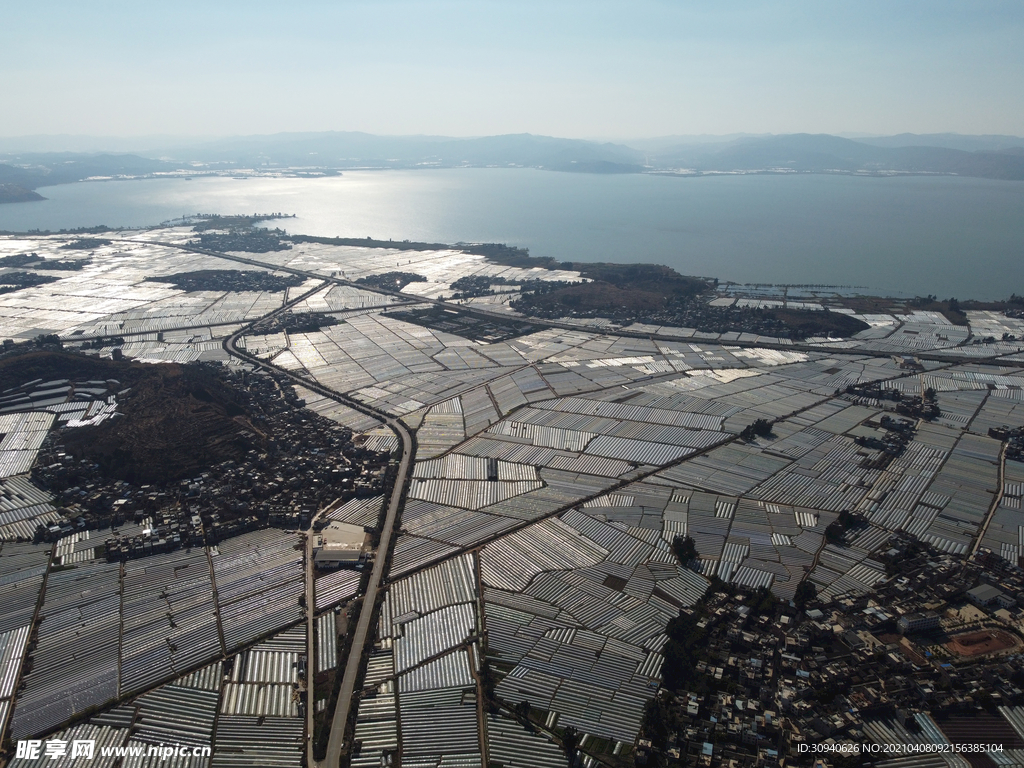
(948, 236)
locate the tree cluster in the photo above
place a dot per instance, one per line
(759, 428)
(391, 281)
(685, 550)
(683, 651)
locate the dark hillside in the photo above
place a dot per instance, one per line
(178, 420)
(616, 290)
(12, 193)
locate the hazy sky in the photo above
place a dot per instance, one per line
(579, 69)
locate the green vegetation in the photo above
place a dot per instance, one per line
(806, 592)
(249, 241)
(13, 193)
(85, 244)
(762, 602)
(178, 420)
(229, 280)
(63, 265)
(621, 291)
(656, 294)
(522, 713)
(487, 684)
(685, 550)
(571, 744)
(655, 724)
(835, 532)
(759, 428)
(295, 322)
(18, 260)
(804, 323)
(645, 277)
(477, 285)
(34, 261)
(391, 281)
(465, 324)
(683, 651)
(18, 369)
(15, 281)
(239, 233)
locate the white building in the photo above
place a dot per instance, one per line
(918, 622)
(339, 545)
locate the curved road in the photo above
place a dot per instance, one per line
(365, 623)
(339, 723)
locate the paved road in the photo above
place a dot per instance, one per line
(365, 624)
(935, 356)
(996, 501)
(336, 742)
(310, 635)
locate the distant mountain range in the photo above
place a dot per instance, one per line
(993, 157)
(822, 153)
(352, 149)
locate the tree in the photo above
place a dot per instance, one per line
(835, 533)
(522, 711)
(487, 685)
(682, 651)
(762, 602)
(655, 723)
(759, 428)
(805, 593)
(685, 550)
(571, 743)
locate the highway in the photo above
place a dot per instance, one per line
(366, 615)
(366, 621)
(310, 635)
(476, 311)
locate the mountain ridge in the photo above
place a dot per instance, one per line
(993, 157)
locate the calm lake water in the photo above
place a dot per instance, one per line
(918, 235)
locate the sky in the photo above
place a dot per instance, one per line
(592, 69)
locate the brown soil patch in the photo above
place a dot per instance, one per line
(980, 643)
